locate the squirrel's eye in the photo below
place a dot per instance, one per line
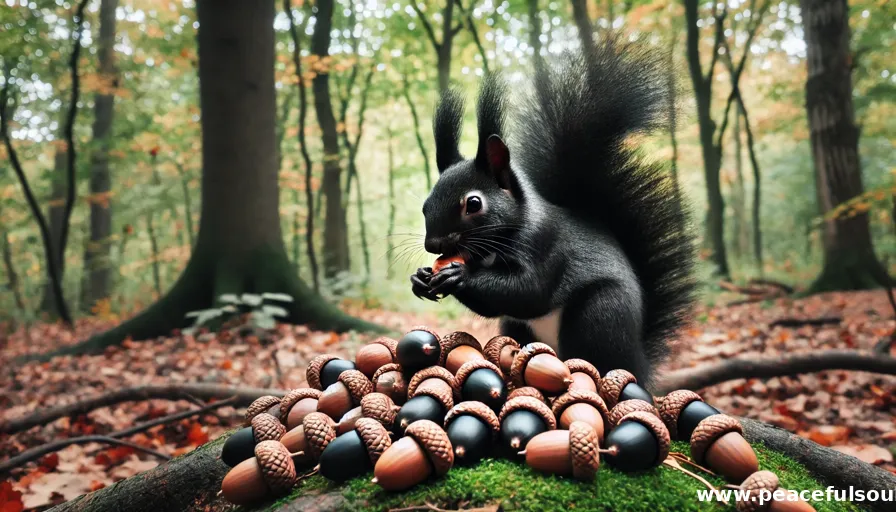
(474, 204)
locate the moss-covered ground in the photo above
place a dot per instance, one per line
(515, 487)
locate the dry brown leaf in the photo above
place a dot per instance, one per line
(870, 453)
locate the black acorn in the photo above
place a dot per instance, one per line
(521, 419)
(422, 407)
(471, 428)
(355, 452)
(633, 391)
(692, 415)
(329, 374)
(639, 442)
(241, 445)
(418, 349)
(482, 381)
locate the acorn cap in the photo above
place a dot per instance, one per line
(312, 375)
(612, 383)
(266, 427)
(391, 367)
(319, 431)
(528, 391)
(260, 405)
(437, 372)
(518, 370)
(626, 406)
(529, 403)
(671, 406)
(388, 343)
(583, 447)
(375, 437)
(293, 397)
(455, 339)
(434, 442)
(441, 391)
(580, 365)
(379, 407)
(493, 347)
(471, 366)
(653, 423)
(576, 396)
(473, 408)
(357, 383)
(277, 467)
(710, 429)
(753, 485)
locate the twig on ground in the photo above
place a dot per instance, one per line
(799, 322)
(44, 449)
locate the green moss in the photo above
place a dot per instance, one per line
(516, 487)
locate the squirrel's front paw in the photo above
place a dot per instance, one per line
(420, 284)
(448, 280)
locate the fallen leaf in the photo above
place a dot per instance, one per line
(828, 435)
(197, 434)
(870, 453)
(10, 499)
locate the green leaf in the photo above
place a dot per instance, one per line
(279, 297)
(251, 299)
(272, 310)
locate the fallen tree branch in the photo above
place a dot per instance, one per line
(832, 467)
(799, 322)
(240, 395)
(786, 288)
(704, 375)
(39, 451)
(746, 290)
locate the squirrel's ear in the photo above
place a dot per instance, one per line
(498, 160)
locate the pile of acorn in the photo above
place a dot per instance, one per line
(413, 408)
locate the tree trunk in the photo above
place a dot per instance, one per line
(583, 22)
(390, 233)
(55, 213)
(406, 92)
(739, 192)
(849, 259)
(12, 276)
(239, 247)
(96, 257)
(535, 33)
(444, 49)
(335, 226)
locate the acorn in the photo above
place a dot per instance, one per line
(425, 450)
(718, 443)
(767, 481)
(308, 440)
(584, 375)
(527, 391)
(522, 419)
(241, 445)
(376, 354)
(626, 406)
(344, 394)
(324, 370)
(269, 474)
(436, 382)
(376, 406)
(262, 404)
(347, 422)
(565, 452)
(389, 380)
(481, 381)
(422, 407)
(620, 385)
(418, 349)
(537, 365)
(356, 452)
(458, 348)
(640, 441)
(297, 404)
(581, 405)
(682, 411)
(501, 350)
(471, 427)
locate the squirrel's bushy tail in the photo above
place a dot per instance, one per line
(577, 123)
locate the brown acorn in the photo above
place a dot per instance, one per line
(436, 382)
(379, 407)
(718, 444)
(308, 440)
(627, 406)
(671, 405)
(344, 394)
(458, 348)
(389, 380)
(612, 384)
(347, 422)
(271, 473)
(565, 452)
(527, 391)
(501, 350)
(537, 365)
(584, 375)
(376, 354)
(581, 405)
(767, 481)
(262, 404)
(296, 405)
(424, 450)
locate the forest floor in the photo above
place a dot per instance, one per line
(851, 411)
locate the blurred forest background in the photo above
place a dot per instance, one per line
(118, 194)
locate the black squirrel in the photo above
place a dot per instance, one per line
(569, 235)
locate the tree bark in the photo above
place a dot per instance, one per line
(406, 92)
(96, 257)
(444, 49)
(239, 247)
(583, 22)
(535, 33)
(849, 259)
(12, 277)
(739, 192)
(335, 225)
(55, 212)
(390, 230)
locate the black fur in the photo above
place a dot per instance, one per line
(446, 125)
(588, 226)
